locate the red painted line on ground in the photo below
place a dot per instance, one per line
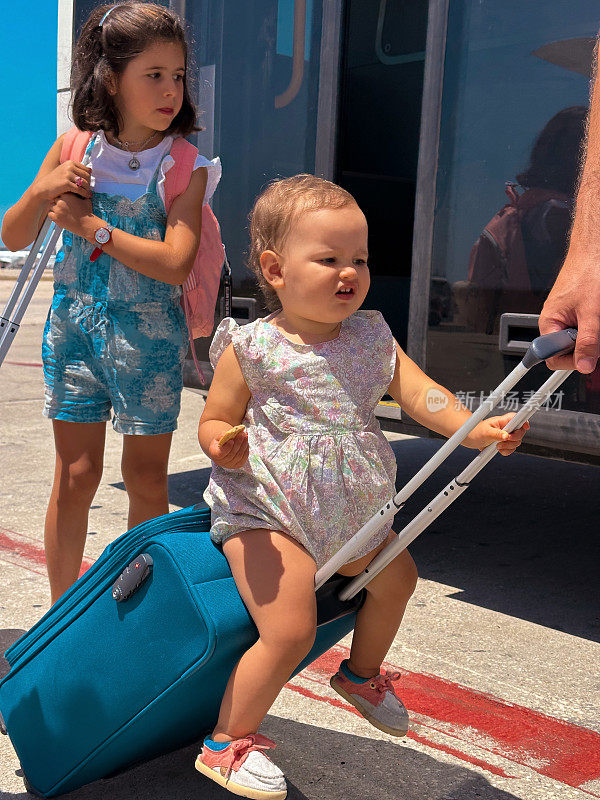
(29, 550)
(411, 734)
(23, 364)
(15, 562)
(551, 747)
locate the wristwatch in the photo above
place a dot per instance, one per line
(102, 236)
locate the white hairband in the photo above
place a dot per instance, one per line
(101, 23)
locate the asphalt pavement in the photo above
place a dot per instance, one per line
(499, 651)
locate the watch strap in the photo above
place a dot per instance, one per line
(99, 248)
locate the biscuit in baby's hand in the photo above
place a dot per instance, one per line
(230, 434)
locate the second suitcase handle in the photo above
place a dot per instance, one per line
(132, 577)
(450, 492)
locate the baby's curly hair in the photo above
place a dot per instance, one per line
(277, 207)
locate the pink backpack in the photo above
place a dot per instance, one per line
(201, 288)
(503, 236)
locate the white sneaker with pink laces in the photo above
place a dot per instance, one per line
(243, 768)
(375, 698)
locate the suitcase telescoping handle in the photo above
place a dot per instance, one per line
(26, 285)
(552, 344)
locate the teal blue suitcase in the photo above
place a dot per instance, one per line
(132, 664)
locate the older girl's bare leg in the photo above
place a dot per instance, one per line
(77, 473)
(144, 466)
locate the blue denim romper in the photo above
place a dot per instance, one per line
(114, 337)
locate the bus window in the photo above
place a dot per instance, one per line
(258, 69)
(515, 97)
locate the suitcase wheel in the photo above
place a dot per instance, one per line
(3, 726)
(30, 788)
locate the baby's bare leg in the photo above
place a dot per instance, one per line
(378, 620)
(275, 578)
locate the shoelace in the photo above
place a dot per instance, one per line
(240, 749)
(383, 682)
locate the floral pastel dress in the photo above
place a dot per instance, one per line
(319, 465)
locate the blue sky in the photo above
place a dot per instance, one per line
(28, 54)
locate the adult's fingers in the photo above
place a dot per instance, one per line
(551, 322)
(574, 302)
(587, 346)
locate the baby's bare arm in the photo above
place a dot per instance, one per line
(435, 407)
(410, 388)
(225, 408)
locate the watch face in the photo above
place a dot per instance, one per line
(102, 235)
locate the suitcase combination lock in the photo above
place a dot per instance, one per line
(132, 577)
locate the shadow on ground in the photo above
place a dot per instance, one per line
(354, 767)
(522, 540)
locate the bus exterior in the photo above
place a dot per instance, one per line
(429, 113)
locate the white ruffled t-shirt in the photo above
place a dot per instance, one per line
(111, 173)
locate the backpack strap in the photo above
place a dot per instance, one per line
(177, 180)
(74, 144)
(178, 177)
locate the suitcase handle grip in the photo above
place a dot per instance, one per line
(551, 344)
(132, 577)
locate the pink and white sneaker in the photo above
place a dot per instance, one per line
(375, 698)
(243, 768)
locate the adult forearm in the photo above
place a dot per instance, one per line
(574, 300)
(585, 235)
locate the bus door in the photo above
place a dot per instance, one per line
(381, 87)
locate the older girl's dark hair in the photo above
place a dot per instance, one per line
(555, 157)
(101, 52)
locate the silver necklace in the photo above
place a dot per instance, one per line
(133, 161)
